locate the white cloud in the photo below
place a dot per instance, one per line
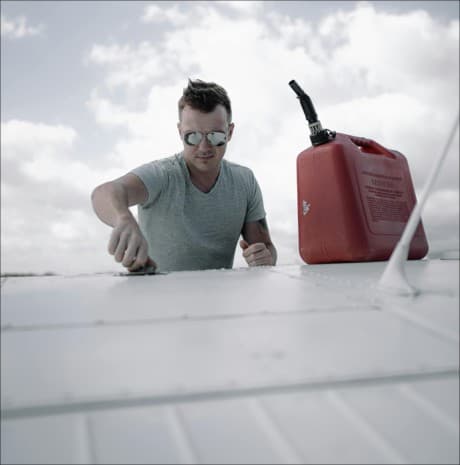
(111, 54)
(25, 139)
(246, 7)
(441, 220)
(393, 53)
(173, 15)
(37, 152)
(132, 67)
(149, 134)
(18, 28)
(46, 210)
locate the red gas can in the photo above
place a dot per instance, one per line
(354, 198)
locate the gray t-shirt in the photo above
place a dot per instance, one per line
(187, 229)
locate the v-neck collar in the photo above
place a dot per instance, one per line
(189, 178)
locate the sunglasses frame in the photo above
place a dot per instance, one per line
(219, 144)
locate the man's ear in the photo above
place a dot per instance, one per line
(231, 127)
(178, 127)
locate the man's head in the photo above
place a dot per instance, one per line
(204, 97)
(205, 125)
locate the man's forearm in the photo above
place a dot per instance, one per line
(110, 202)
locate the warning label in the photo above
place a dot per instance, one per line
(387, 210)
(384, 199)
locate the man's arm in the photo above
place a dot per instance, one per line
(258, 248)
(112, 199)
(111, 202)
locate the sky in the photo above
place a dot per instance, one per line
(89, 91)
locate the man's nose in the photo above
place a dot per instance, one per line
(204, 143)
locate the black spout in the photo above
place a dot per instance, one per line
(318, 135)
(305, 101)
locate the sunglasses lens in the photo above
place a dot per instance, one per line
(217, 138)
(193, 138)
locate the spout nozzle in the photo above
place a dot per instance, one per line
(305, 101)
(296, 88)
(318, 135)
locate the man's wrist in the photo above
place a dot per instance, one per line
(124, 216)
(273, 253)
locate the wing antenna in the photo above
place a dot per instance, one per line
(394, 278)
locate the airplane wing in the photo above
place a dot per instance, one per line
(286, 364)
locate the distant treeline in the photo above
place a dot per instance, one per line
(23, 275)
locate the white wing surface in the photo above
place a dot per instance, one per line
(290, 364)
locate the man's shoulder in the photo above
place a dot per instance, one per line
(160, 166)
(238, 170)
(169, 163)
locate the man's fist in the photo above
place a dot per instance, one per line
(256, 254)
(128, 245)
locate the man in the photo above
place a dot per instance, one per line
(193, 206)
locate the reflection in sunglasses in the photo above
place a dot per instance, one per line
(215, 138)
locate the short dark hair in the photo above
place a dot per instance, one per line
(205, 96)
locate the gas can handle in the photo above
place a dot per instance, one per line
(371, 146)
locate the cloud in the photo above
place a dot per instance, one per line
(24, 139)
(243, 8)
(442, 228)
(173, 15)
(18, 28)
(43, 153)
(132, 67)
(410, 53)
(148, 134)
(46, 210)
(176, 16)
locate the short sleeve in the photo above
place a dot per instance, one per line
(153, 176)
(255, 210)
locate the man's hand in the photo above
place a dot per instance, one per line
(128, 245)
(256, 254)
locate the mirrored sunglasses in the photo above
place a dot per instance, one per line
(215, 138)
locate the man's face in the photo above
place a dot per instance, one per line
(204, 157)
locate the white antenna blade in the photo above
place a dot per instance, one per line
(394, 277)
